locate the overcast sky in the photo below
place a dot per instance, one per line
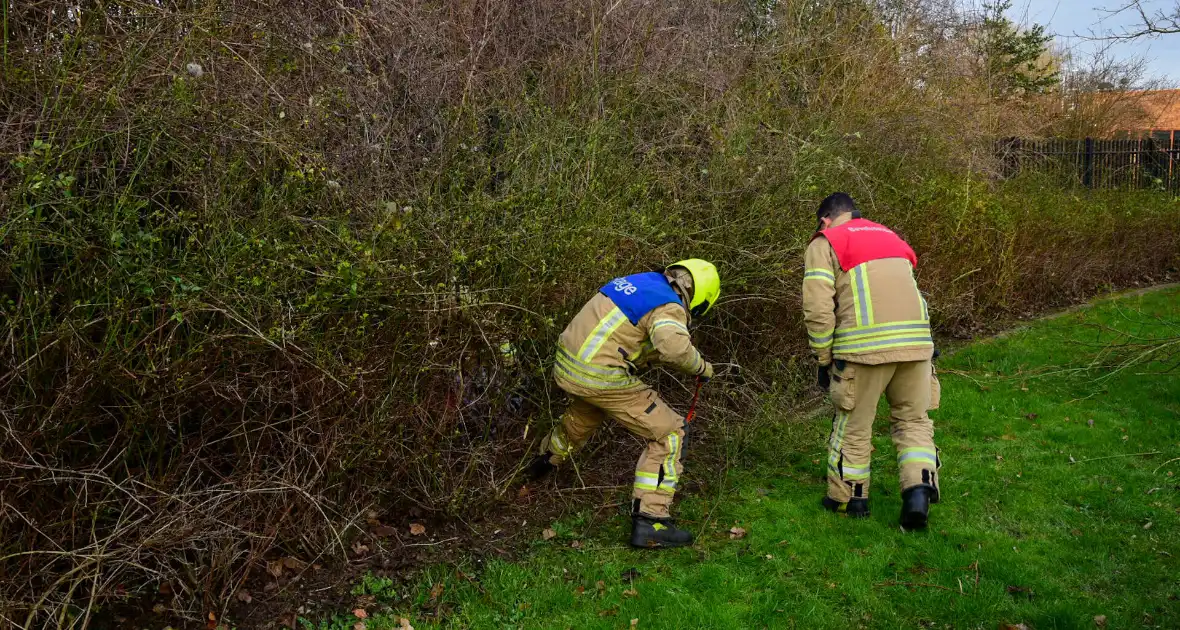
(1067, 18)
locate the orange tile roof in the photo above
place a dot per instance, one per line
(1161, 109)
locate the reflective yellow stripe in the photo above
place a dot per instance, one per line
(592, 376)
(885, 344)
(821, 274)
(646, 480)
(668, 322)
(860, 294)
(821, 340)
(892, 328)
(670, 460)
(601, 333)
(917, 453)
(847, 330)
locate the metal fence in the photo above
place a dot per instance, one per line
(1148, 162)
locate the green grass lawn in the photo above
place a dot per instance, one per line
(1051, 515)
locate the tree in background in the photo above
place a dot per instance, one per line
(1015, 62)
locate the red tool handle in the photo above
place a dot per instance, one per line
(692, 409)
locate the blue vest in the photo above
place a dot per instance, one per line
(639, 294)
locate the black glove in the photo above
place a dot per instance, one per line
(937, 353)
(823, 378)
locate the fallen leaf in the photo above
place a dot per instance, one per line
(211, 624)
(999, 458)
(244, 596)
(360, 613)
(635, 623)
(523, 493)
(600, 585)
(287, 620)
(769, 557)
(579, 590)
(294, 564)
(404, 624)
(1100, 621)
(1030, 416)
(275, 568)
(1013, 626)
(360, 625)
(417, 529)
(1148, 525)
(609, 612)
(523, 606)
(384, 531)
(1090, 422)
(630, 593)
(548, 533)
(577, 544)
(358, 549)
(437, 590)
(1076, 532)
(165, 588)
(736, 532)
(159, 609)
(1008, 437)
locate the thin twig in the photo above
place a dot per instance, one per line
(1094, 459)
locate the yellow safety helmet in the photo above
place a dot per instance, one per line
(706, 284)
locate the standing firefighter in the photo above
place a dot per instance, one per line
(869, 329)
(630, 322)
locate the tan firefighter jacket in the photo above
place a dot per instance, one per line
(600, 350)
(870, 314)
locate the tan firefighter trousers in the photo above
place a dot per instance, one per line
(911, 389)
(645, 414)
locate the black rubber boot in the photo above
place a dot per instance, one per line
(855, 508)
(540, 467)
(657, 533)
(915, 506)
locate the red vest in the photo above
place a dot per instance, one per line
(860, 240)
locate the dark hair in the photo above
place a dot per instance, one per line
(836, 204)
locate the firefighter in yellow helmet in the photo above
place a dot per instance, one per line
(631, 322)
(869, 330)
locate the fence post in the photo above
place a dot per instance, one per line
(1088, 164)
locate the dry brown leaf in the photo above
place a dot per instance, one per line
(404, 624)
(358, 549)
(384, 531)
(275, 568)
(1100, 621)
(609, 612)
(577, 544)
(600, 585)
(360, 625)
(1148, 525)
(360, 613)
(295, 564)
(417, 529)
(635, 623)
(736, 532)
(244, 596)
(1013, 626)
(630, 593)
(548, 533)
(165, 588)
(579, 590)
(287, 620)
(159, 609)
(437, 590)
